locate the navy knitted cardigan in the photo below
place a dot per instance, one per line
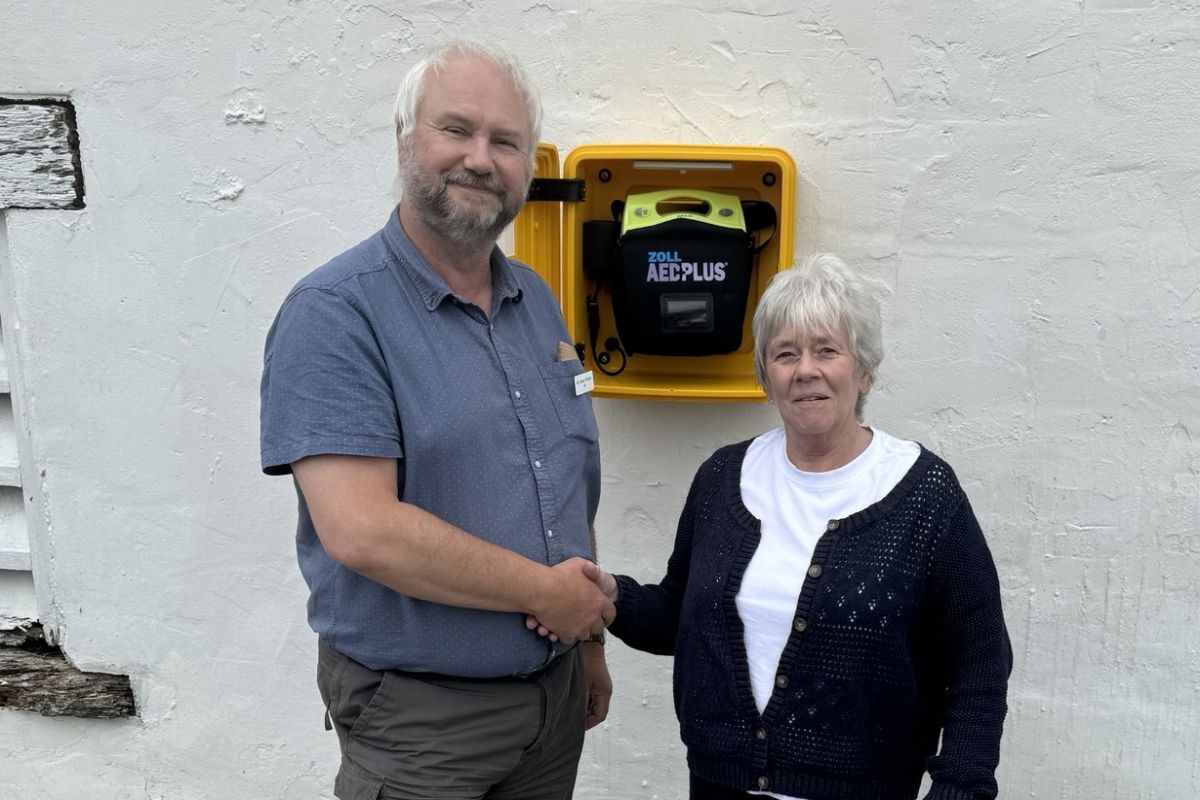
(898, 637)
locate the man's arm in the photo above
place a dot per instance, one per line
(598, 682)
(364, 527)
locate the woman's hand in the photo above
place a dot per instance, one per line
(608, 584)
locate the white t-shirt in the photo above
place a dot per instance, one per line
(794, 508)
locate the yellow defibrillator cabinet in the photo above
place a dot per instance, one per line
(658, 255)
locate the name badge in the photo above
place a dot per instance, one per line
(584, 382)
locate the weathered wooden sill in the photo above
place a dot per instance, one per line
(34, 676)
(39, 154)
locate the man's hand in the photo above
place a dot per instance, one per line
(604, 581)
(597, 684)
(573, 606)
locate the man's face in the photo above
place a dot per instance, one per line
(465, 166)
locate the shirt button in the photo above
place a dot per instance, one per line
(781, 681)
(814, 571)
(517, 394)
(833, 525)
(801, 624)
(763, 783)
(761, 734)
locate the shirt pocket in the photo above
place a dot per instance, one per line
(574, 410)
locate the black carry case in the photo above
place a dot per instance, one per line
(683, 267)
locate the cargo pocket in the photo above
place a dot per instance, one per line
(355, 783)
(574, 410)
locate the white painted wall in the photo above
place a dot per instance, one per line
(1024, 174)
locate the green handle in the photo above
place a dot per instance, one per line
(723, 210)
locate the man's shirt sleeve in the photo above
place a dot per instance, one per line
(325, 386)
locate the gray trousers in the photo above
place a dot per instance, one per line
(423, 737)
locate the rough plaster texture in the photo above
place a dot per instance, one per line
(1023, 174)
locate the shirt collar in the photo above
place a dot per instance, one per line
(430, 284)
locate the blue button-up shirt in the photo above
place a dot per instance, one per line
(373, 355)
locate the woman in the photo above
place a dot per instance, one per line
(831, 603)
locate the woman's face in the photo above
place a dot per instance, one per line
(814, 382)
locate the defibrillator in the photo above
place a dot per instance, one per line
(684, 259)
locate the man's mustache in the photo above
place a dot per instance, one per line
(463, 178)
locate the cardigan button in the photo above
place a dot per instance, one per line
(781, 681)
(833, 525)
(814, 571)
(761, 734)
(801, 624)
(763, 783)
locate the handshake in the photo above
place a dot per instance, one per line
(577, 603)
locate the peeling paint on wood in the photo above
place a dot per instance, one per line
(39, 155)
(35, 676)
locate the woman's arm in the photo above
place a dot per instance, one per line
(648, 614)
(978, 660)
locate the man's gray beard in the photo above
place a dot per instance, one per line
(434, 207)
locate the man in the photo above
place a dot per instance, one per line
(422, 390)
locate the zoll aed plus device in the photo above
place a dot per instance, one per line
(683, 264)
